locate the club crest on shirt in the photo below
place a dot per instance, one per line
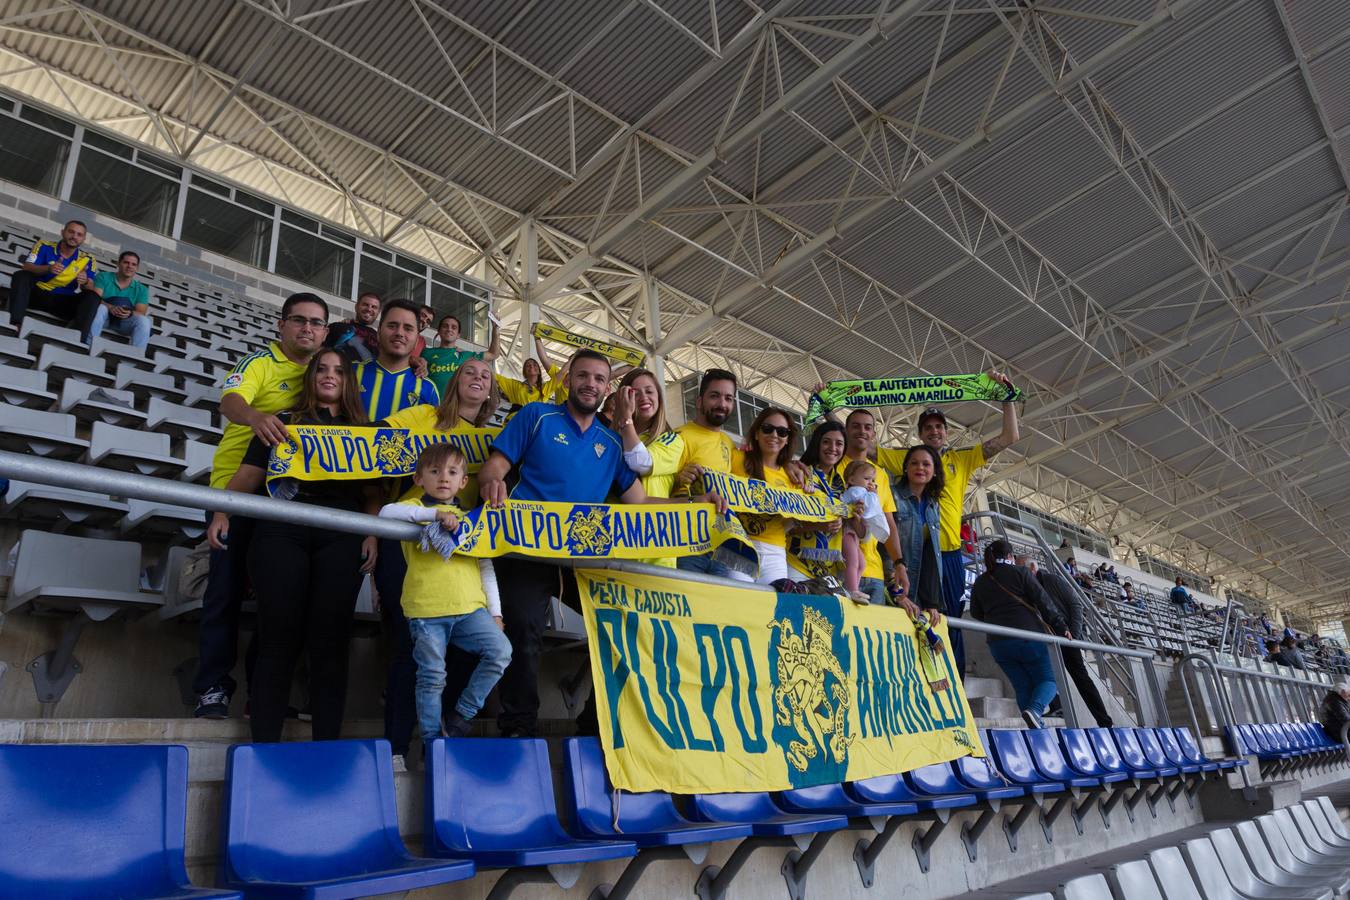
(233, 381)
(412, 398)
(599, 449)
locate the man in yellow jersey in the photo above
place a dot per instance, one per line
(707, 446)
(958, 466)
(58, 278)
(261, 385)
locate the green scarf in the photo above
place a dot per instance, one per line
(907, 391)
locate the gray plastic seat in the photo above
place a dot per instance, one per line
(37, 332)
(14, 352)
(1303, 849)
(25, 387)
(1318, 816)
(1175, 879)
(1295, 822)
(1086, 887)
(1208, 872)
(179, 421)
(201, 396)
(1044, 895)
(1245, 877)
(1134, 881)
(1292, 861)
(1333, 816)
(164, 346)
(61, 363)
(144, 452)
(116, 352)
(43, 502)
(46, 434)
(147, 384)
(162, 518)
(187, 369)
(89, 403)
(214, 356)
(60, 573)
(198, 459)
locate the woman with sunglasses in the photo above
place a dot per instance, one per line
(771, 438)
(306, 578)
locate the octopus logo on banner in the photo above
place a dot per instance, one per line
(588, 532)
(394, 452)
(809, 665)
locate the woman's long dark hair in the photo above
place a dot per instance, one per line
(811, 455)
(994, 551)
(307, 406)
(754, 460)
(933, 490)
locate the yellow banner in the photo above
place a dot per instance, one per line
(614, 351)
(709, 688)
(597, 530)
(750, 495)
(347, 453)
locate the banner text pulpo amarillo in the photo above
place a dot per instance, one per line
(710, 688)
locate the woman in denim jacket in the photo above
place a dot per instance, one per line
(916, 520)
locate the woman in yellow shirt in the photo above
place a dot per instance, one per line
(650, 448)
(772, 436)
(535, 387)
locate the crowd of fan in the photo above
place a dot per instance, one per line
(457, 627)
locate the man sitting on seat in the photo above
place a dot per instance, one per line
(356, 338)
(126, 302)
(57, 278)
(1335, 712)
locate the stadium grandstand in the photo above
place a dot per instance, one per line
(655, 448)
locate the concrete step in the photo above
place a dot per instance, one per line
(1015, 722)
(994, 708)
(977, 686)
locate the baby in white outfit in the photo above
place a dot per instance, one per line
(861, 478)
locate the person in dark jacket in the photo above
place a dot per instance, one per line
(1335, 713)
(1008, 595)
(1058, 589)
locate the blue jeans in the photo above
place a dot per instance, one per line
(875, 589)
(1027, 665)
(705, 564)
(135, 327)
(953, 589)
(474, 633)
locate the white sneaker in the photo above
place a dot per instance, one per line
(400, 764)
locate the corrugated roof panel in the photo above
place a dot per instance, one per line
(1331, 73)
(1119, 218)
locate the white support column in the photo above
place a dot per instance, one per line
(651, 294)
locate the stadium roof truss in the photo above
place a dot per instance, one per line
(1136, 207)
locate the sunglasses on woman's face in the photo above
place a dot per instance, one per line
(781, 430)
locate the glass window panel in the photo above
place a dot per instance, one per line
(108, 145)
(341, 237)
(38, 117)
(231, 230)
(389, 282)
(112, 185)
(206, 184)
(313, 261)
(32, 157)
(163, 166)
(243, 198)
(412, 265)
(450, 302)
(294, 218)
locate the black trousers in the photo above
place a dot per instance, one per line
(306, 580)
(525, 587)
(77, 309)
(400, 704)
(1077, 669)
(218, 630)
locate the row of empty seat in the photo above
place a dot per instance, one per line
(490, 804)
(1282, 748)
(1300, 852)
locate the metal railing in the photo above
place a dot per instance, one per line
(1135, 666)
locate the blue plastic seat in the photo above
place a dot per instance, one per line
(1132, 755)
(1171, 741)
(894, 789)
(765, 817)
(940, 780)
(491, 800)
(1191, 749)
(646, 819)
(318, 820)
(1171, 751)
(94, 822)
(1008, 748)
(1153, 752)
(1108, 753)
(832, 800)
(1082, 757)
(1049, 760)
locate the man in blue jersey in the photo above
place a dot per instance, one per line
(57, 277)
(388, 382)
(558, 452)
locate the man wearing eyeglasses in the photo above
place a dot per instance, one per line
(259, 386)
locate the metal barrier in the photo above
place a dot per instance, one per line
(1140, 676)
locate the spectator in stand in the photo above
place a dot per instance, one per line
(535, 387)
(469, 401)
(958, 467)
(1071, 609)
(860, 427)
(917, 523)
(860, 495)
(1335, 712)
(559, 452)
(358, 338)
(815, 548)
(650, 448)
(425, 316)
(448, 602)
(126, 303)
(261, 385)
(447, 356)
(306, 579)
(389, 383)
(1181, 598)
(1290, 655)
(1008, 595)
(1111, 574)
(771, 437)
(57, 277)
(707, 446)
